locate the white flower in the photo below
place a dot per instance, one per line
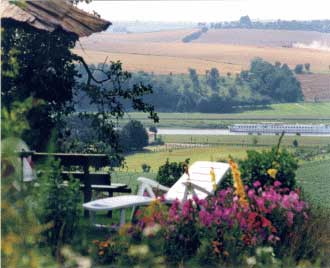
(251, 261)
(151, 230)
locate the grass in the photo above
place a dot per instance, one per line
(262, 140)
(314, 178)
(315, 113)
(155, 159)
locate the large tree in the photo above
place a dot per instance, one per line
(44, 70)
(41, 65)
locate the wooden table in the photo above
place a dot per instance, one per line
(98, 181)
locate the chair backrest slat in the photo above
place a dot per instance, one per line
(200, 175)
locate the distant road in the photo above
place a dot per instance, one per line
(215, 132)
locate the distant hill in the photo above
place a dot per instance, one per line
(263, 38)
(147, 26)
(228, 50)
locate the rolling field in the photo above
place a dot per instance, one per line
(315, 86)
(260, 37)
(314, 178)
(227, 58)
(312, 113)
(228, 50)
(227, 54)
(262, 140)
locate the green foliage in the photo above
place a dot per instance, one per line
(58, 205)
(273, 81)
(145, 168)
(20, 230)
(295, 143)
(182, 242)
(307, 67)
(169, 173)
(133, 136)
(37, 64)
(255, 167)
(299, 69)
(110, 92)
(13, 121)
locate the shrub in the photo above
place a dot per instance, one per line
(58, 205)
(169, 173)
(145, 167)
(133, 136)
(257, 164)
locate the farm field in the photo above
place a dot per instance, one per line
(261, 37)
(315, 86)
(150, 52)
(151, 57)
(314, 177)
(262, 140)
(311, 113)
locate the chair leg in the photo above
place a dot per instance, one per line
(134, 210)
(110, 211)
(122, 217)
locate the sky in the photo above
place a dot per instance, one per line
(208, 11)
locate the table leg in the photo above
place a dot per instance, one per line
(122, 217)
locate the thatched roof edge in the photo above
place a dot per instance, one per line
(50, 15)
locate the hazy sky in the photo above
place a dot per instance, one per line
(216, 10)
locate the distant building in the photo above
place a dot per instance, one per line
(274, 128)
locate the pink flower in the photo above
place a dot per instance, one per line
(277, 183)
(290, 216)
(205, 218)
(256, 184)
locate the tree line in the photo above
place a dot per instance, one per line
(246, 23)
(262, 84)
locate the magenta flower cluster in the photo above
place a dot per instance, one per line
(254, 223)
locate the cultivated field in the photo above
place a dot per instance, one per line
(152, 51)
(315, 86)
(178, 57)
(229, 50)
(260, 38)
(314, 177)
(311, 113)
(247, 140)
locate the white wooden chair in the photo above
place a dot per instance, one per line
(198, 183)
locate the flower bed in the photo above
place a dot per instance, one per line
(240, 225)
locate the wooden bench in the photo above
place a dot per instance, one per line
(78, 166)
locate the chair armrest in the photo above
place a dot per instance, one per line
(152, 183)
(197, 187)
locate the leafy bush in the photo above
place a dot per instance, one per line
(257, 164)
(20, 230)
(169, 173)
(133, 136)
(59, 205)
(145, 167)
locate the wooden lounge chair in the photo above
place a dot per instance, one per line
(196, 182)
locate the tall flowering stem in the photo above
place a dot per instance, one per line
(238, 184)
